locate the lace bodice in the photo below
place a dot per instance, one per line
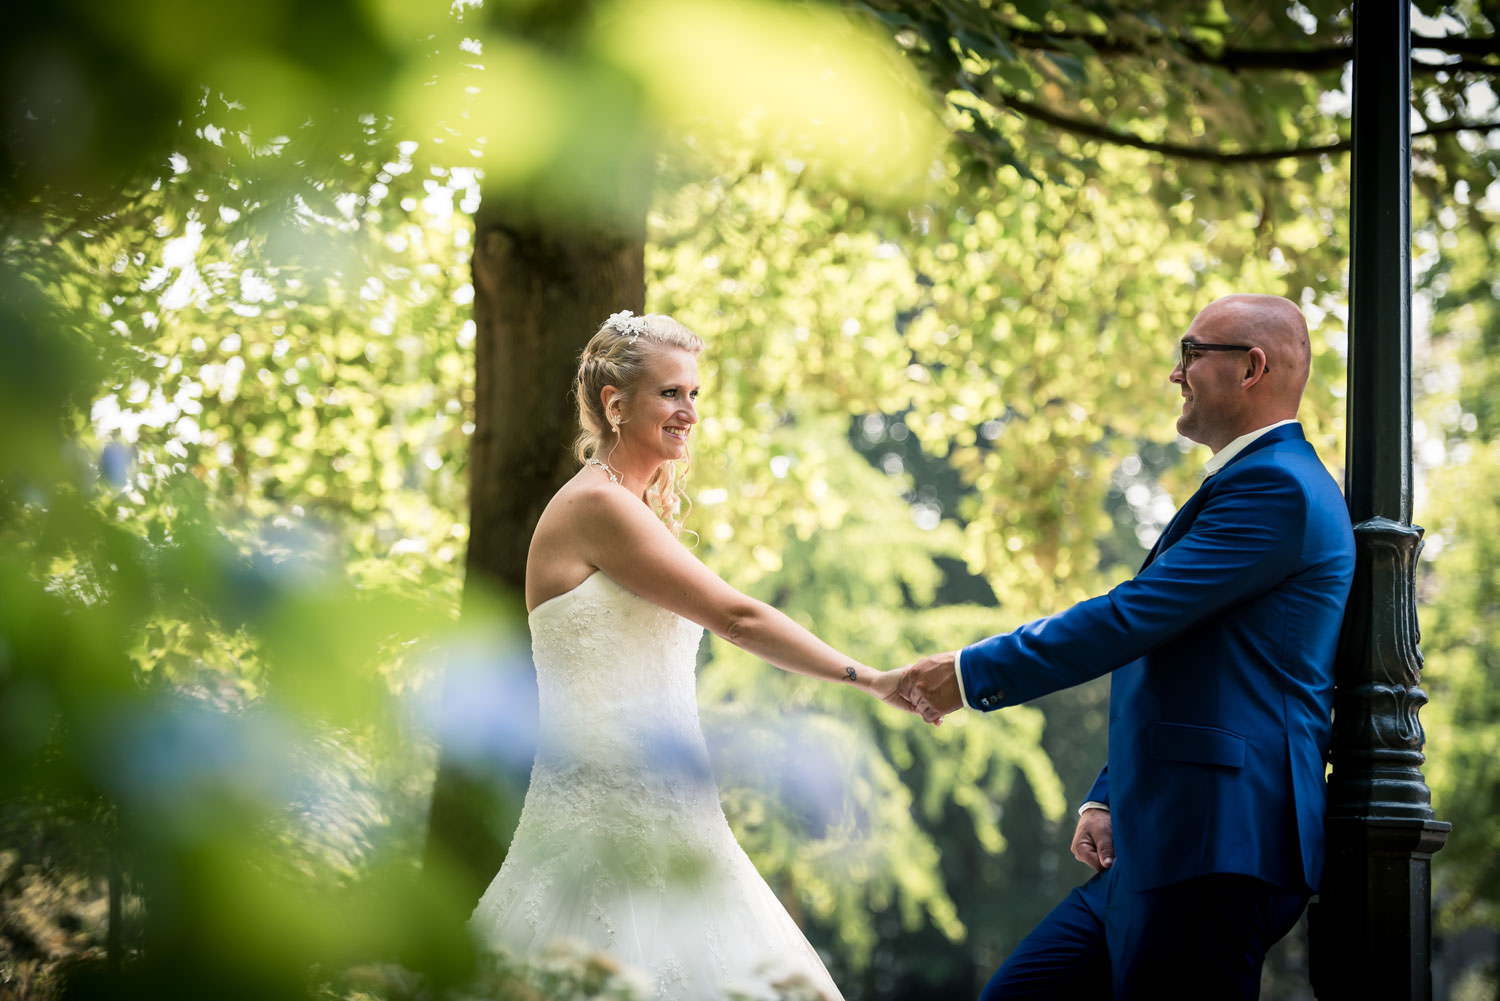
(615, 677)
(622, 845)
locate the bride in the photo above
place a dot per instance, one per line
(622, 846)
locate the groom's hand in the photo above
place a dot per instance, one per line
(931, 686)
(1094, 840)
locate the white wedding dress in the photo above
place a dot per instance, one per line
(622, 846)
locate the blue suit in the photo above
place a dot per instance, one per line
(1222, 649)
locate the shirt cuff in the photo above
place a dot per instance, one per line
(1093, 805)
(958, 671)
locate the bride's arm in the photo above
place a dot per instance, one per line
(624, 539)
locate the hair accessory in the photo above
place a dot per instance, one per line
(627, 323)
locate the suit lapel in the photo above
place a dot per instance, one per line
(1178, 526)
(1183, 519)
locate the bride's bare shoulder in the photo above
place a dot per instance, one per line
(582, 497)
(585, 510)
(558, 559)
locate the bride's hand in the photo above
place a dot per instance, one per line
(884, 687)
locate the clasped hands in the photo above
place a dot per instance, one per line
(927, 687)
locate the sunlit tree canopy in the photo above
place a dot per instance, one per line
(941, 253)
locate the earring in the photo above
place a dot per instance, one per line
(614, 424)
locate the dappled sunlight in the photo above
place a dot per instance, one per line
(790, 80)
(239, 327)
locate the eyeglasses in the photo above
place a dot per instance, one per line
(1188, 351)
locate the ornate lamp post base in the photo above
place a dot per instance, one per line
(1381, 867)
(1371, 931)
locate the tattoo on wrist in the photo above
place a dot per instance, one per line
(851, 674)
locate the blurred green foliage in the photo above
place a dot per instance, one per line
(236, 382)
(1459, 374)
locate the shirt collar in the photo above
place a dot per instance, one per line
(1222, 457)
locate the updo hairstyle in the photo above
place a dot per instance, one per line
(617, 356)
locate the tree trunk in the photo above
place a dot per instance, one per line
(540, 292)
(539, 297)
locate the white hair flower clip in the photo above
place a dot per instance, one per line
(627, 323)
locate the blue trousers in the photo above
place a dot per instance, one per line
(1202, 938)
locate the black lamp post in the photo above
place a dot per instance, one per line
(1371, 928)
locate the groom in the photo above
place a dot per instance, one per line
(1205, 826)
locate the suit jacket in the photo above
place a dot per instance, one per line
(1222, 649)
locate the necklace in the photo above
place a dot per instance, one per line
(614, 476)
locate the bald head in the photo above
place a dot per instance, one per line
(1277, 327)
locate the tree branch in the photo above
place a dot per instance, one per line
(1459, 45)
(1205, 154)
(1462, 66)
(1311, 60)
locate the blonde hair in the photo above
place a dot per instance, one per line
(617, 356)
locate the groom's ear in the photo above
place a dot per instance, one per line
(1256, 366)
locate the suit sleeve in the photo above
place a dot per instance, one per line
(1243, 541)
(1099, 791)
